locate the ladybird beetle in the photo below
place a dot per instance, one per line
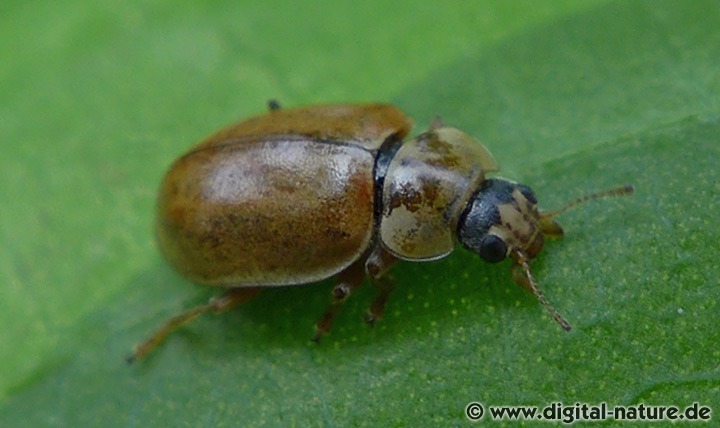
(295, 196)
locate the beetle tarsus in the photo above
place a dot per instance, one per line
(318, 335)
(377, 309)
(370, 318)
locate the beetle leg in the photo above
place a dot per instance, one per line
(273, 105)
(347, 281)
(378, 263)
(522, 276)
(221, 303)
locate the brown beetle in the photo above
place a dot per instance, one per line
(296, 196)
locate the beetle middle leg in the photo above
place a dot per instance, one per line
(347, 281)
(374, 266)
(378, 263)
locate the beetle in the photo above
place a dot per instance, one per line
(295, 196)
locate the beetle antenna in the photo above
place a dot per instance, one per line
(615, 191)
(528, 281)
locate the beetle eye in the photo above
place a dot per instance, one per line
(492, 249)
(528, 193)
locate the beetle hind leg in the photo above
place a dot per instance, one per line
(347, 281)
(221, 303)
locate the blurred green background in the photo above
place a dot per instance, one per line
(98, 98)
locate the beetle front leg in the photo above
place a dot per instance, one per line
(379, 262)
(521, 275)
(347, 281)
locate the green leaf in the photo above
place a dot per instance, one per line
(570, 97)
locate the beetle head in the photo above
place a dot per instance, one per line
(502, 220)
